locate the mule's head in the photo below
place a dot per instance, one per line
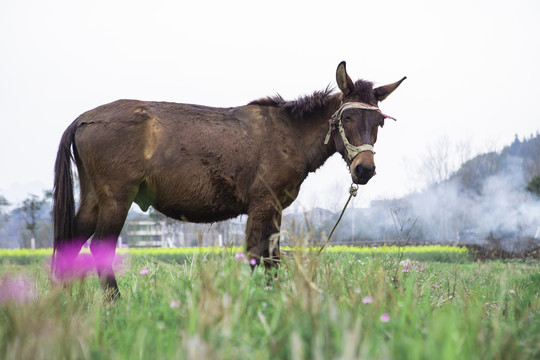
(357, 122)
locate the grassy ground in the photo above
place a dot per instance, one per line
(339, 305)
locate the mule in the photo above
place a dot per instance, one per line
(205, 164)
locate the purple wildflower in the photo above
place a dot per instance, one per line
(367, 300)
(239, 256)
(253, 262)
(143, 271)
(174, 303)
(16, 288)
(385, 318)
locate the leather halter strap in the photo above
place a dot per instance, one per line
(352, 150)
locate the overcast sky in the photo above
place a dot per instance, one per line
(472, 69)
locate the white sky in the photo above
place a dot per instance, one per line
(472, 69)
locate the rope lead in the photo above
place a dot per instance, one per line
(353, 191)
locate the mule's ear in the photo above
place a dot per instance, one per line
(343, 80)
(382, 92)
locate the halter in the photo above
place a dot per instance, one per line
(352, 151)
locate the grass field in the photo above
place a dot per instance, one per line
(347, 303)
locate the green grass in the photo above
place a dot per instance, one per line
(318, 308)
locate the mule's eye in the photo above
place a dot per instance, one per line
(347, 119)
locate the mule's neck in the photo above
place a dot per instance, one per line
(314, 133)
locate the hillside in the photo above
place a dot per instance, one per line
(521, 160)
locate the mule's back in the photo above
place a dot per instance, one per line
(187, 161)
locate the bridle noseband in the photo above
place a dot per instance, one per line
(352, 150)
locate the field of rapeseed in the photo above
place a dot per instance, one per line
(397, 303)
(433, 253)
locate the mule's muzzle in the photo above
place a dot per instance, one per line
(362, 173)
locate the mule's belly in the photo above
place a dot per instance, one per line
(193, 196)
(199, 205)
(202, 215)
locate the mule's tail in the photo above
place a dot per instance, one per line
(63, 200)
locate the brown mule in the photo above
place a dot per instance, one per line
(204, 164)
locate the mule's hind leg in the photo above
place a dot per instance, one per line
(112, 215)
(85, 225)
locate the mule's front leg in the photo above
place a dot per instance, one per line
(262, 237)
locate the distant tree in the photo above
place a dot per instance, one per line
(3, 216)
(515, 148)
(532, 157)
(30, 211)
(534, 185)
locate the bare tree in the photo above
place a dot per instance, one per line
(444, 158)
(463, 150)
(437, 162)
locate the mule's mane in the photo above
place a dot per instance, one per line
(319, 99)
(300, 107)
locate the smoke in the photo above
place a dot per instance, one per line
(494, 208)
(506, 206)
